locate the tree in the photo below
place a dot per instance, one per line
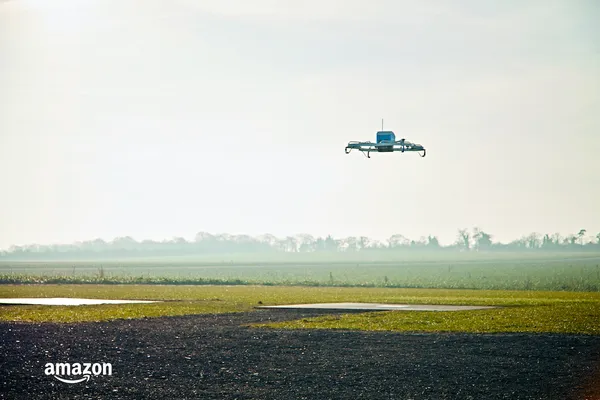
(363, 242)
(557, 239)
(546, 241)
(203, 236)
(376, 244)
(551, 242)
(349, 244)
(580, 235)
(482, 239)
(124, 243)
(178, 244)
(433, 242)
(268, 241)
(464, 239)
(330, 243)
(327, 244)
(307, 242)
(422, 242)
(518, 244)
(397, 240)
(570, 240)
(291, 244)
(533, 240)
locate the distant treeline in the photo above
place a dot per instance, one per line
(206, 243)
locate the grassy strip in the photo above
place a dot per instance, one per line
(277, 257)
(567, 284)
(116, 280)
(569, 318)
(106, 312)
(559, 312)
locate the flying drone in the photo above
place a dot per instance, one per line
(386, 143)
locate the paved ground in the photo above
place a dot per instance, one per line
(216, 357)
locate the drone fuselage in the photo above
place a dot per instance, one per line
(385, 149)
(385, 137)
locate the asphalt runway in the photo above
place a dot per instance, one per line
(219, 357)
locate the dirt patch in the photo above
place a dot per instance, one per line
(218, 357)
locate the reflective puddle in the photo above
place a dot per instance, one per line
(65, 301)
(379, 307)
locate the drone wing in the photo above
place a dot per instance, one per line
(362, 146)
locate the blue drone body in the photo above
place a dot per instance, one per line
(386, 143)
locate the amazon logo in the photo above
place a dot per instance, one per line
(79, 371)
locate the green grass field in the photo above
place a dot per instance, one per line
(538, 292)
(490, 271)
(522, 311)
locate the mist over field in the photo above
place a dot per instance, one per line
(207, 244)
(473, 261)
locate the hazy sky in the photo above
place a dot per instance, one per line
(164, 118)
